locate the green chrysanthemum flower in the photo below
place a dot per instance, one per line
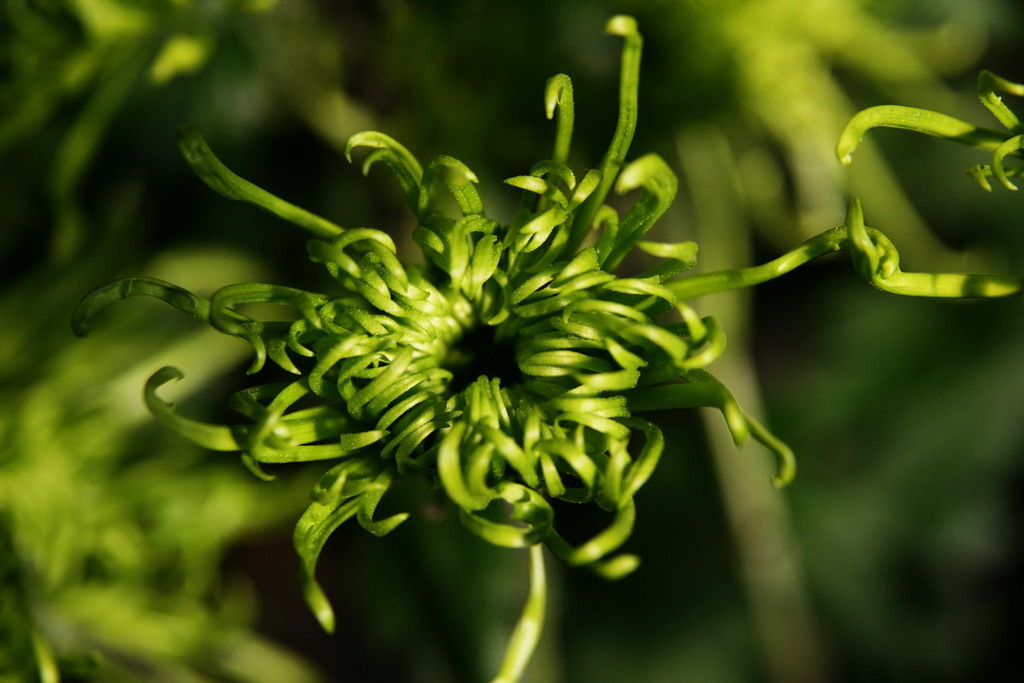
(507, 370)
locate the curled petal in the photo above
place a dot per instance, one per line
(225, 319)
(982, 172)
(312, 530)
(641, 469)
(877, 260)
(1011, 146)
(208, 435)
(681, 256)
(339, 495)
(368, 506)
(605, 542)
(104, 295)
(539, 186)
(219, 178)
(558, 93)
(917, 120)
(659, 184)
(625, 127)
(989, 87)
(558, 169)
(457, 178)
(700, 389)
(529, 518)
(399, 159)
(590, 182)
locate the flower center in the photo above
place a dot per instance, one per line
(477, 352)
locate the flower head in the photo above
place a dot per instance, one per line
(508, 368)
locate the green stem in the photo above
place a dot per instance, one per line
(874, 256)
(738, 278)
(527, 632)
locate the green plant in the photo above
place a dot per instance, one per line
(508, 368)
(108, 572)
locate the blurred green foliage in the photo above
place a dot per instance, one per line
(905, 414)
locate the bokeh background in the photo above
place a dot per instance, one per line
(126, 554)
